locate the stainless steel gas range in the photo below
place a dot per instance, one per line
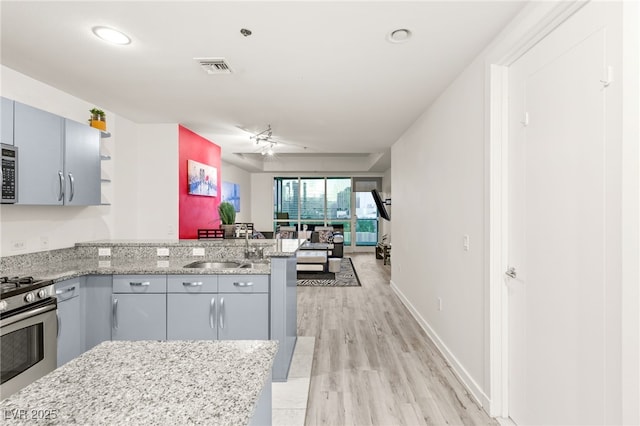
(28, 329)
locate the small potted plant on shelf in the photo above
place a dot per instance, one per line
(98, 119)
(227, 218)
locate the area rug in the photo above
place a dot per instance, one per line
(347, 277)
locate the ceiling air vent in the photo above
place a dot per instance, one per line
(214, 65)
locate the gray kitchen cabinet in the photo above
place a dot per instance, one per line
(192, 311)
(139, 307)
(70, 324)
(243, 316)
(58, 161)
(225, 307)
(6, 121)
(39, 137)
(81, 164)
(96, 301)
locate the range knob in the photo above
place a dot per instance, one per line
(3, 305)
(42, 293)
(29, 298)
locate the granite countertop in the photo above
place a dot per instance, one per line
(63, 269)
(149, 382)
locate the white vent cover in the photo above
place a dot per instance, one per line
(214, 65)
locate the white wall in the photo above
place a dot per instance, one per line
(49, 227)
(231, 173)
(437, 187)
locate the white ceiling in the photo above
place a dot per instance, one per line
(322, 74)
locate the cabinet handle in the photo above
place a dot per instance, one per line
(115, 314)
(140, 284)
(59, 324)
(243, 284)
(66, 290)
(212, 313)
(72, 186)
(192, 284)
(222, 312)
(61, 187)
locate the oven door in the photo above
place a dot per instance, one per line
(29, 347)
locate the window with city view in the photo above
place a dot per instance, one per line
(326, 201)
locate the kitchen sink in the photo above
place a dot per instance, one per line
(214, 265)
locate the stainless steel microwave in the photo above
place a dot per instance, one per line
(9, 174)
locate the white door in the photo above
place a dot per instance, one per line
(560, 165)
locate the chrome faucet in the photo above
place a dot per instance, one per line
(247, 251)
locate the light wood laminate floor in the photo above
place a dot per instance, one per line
(372, 363)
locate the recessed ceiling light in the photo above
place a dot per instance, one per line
(111, 35)
(399, 36)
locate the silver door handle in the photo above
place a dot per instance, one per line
(61, 187)
(192, 284)
(59, 324)
(243, 284)
(66, 290)
(140, 284)
(511, 272)
(115, 314)
(222, 312)
(212, 313)
(72, 186)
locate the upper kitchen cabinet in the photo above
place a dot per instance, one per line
(6, 122)
(59, 160)
(81, 164)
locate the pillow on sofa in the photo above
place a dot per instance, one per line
(325, 236)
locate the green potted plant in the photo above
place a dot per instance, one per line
(227, 218)
(98, 119)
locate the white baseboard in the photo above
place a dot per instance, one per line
(474, 389)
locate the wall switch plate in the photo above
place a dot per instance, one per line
(163, 251)
(198, 251)
(465, 242)
(439, 303)
(104, 251)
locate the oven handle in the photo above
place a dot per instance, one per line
(24, 315)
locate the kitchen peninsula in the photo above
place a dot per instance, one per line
(108, 274)
(145, 382)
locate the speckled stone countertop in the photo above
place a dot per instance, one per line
(149, 383)
(140, 258)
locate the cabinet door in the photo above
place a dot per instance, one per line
(6, 122)
(96, 299)
(38, 136)
(81, 164)
(139, 316)
(243, 316)
(192, 316)
(70, 333)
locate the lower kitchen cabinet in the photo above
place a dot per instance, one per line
(70, 324)
(139, 317)
(139, 307)
(223, 307)
(244, 317)
(96, 299)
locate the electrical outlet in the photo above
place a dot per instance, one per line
(162, 263)
(439, 303)
(44, 243)
(198, 251)
(17, 245)
(104, 251)
(163, 251)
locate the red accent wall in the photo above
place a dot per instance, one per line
(196, 211)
